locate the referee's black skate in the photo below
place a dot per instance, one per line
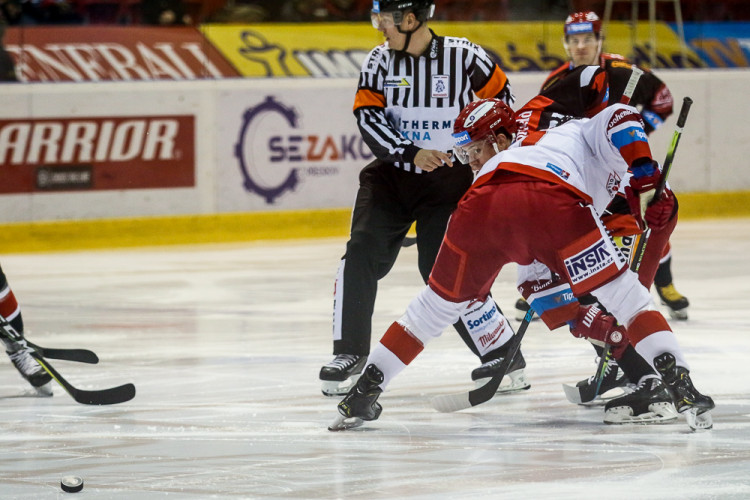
(687, 399)
(516, 377)
(649, 403)
(338, 376)
(360, 404)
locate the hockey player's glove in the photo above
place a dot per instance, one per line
(660, 212)
(593, 323)
(641, 190)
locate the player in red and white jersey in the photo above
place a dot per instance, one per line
(583, 92)
(583, 41)
(537, 203)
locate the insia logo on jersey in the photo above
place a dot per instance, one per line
(97, 153)
(589, 262)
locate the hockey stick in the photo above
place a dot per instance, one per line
(665, 169)
(111, 396)
(79, 355)
(460, 401)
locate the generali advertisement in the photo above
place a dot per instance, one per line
(86, 53)
(114, 53)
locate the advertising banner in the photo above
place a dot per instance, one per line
(288, 148)
(88, 53)
(337, 50)
(720, 45)
(97, 153)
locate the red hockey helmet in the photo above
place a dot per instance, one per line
(583, 22)
(481, 120)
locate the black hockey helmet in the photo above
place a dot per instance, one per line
(422, 9)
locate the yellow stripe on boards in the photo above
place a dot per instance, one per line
(223, 228)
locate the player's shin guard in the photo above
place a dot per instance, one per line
(395, 351)
(650, 334)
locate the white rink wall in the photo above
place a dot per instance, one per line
(252, 145)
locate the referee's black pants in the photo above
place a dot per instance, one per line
(389, 200)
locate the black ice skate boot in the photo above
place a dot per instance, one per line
(361, 401)
(40, 380)
(585, 393)
(677, 378)
(676, 303)
(516, 377)
(649, 403)
(341, 374)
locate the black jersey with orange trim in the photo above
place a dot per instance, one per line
(405, 103)
(580, 93)
(652, 97)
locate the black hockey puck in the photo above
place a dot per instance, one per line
(71, 484)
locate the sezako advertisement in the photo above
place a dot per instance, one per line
(281, 149)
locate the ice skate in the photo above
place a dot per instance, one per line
(585, 393)
(677, 304)
(515, 379)
(649, 403)
(338, 376)
(40, 380)
(360, 404)
(686, 397)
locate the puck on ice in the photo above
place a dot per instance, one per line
(71, 484)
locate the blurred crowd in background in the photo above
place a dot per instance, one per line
(193, 12)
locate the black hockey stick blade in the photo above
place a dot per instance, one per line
(454, 402)
(78, 355)
(81, 355)
(110, 396)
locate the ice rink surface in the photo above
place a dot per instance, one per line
(224, 344)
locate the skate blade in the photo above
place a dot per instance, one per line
(699, 421)
(342, 423)
(659, 413)
(29, 393)
(575, 396)
(516, 382)
(333, 388)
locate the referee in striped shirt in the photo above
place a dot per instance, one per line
(410, 90)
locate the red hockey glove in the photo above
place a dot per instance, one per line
(593, 323)
(641, 189)
(660, 212)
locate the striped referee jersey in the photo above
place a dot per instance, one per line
(406, 103)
